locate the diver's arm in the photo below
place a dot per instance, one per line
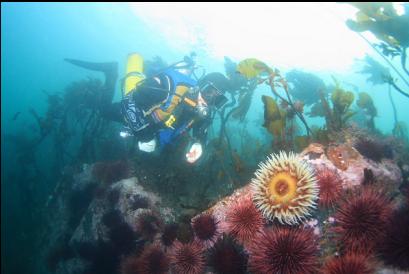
(113, 113)
(199, 130)
(199, 140)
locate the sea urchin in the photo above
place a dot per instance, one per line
(350, 263)
(205, 227)
(395, 248)
(187, 258)
(227, 256)
(361, 220)
(285, 188)
(330, 185)
(374, 150)
(169, 234)
(153, 261)
(148, 224)
(284, 250)
(243, 220)
(129, 265)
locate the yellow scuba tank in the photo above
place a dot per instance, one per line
(134, 72)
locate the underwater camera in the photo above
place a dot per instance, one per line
(213, 96)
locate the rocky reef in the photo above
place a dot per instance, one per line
(124, 228)
(351, 165)
(92, 227)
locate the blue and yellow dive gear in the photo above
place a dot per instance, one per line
(154, 100)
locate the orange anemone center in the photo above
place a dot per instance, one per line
(282, 187)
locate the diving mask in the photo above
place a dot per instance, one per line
(213, 96)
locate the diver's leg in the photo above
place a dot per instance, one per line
(110, 69)
(147, 134)
(112, 112)
(104, 67)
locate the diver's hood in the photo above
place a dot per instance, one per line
(217, 79)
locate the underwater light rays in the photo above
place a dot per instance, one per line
(264, 31)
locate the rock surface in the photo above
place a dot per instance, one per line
(386, 171)
(90, 222)
(97, 223)
(351, 165)
(351, 168)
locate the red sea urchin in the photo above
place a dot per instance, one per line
(148, 224)
(373, 149)
(153, 261)
(111, 172)
(243, 220)
(349, 264)
(330, 185)
(187, 258)
(205, 227)
(361, 220)
(285, 188)
(129, 265)
(227, 256)
(284, 250)
(169, 234)
(395, 248)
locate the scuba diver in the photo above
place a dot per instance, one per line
(157, 110)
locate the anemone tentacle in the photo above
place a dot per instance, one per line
(285, 188)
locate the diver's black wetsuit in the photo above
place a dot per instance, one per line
(145, 98)
(150, 94)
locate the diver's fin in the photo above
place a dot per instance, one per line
(107, 67)
(110, 69)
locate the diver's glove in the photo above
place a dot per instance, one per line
(147, 146)
(194, 153)
(126, 132)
